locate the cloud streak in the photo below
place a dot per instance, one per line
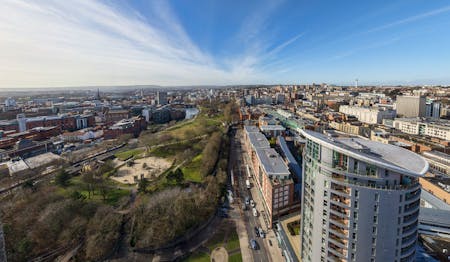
(71, 43)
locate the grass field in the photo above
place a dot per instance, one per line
(191, 171)
(233, 241)
(198, 257)
(219, 239)
(124, 155)
(235, 258)
(112, 196)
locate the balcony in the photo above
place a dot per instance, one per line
(410, 229)
(406, 241)
(411, 218)
(339, 221)
(412, 207)
(341, 189)
(408, 250)
(338, 241)
(334, 258)
(413, 195)
(341, 211)
(340, 232)
(338, 251)
(340, 200)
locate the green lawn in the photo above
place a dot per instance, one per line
(124, 155)
(233, 241)
(191, 171)
(235, 258)
(198, 257)
(113, 194)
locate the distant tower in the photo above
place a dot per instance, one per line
(22, 121)
(356, 83)
(98, 94)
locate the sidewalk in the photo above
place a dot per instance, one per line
(244, 242)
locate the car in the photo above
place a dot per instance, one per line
(252, 203)
(256, 232)
(255, 212)
(247, 200)
(261, 232)
(254, 244)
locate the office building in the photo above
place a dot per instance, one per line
(369, 115)
(360, 200)
(417, 126)
(411, 106)
(161, 98)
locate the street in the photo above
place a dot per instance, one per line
(266, 251)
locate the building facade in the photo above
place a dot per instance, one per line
(418, 126)
(369, 115)
(360, 200)
(411, 106)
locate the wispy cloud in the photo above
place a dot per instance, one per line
(411, 19)
(60, 43)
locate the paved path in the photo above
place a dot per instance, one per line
(219, 254)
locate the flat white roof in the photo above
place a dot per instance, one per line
(272, 127)
(388, 156)
(258, 140)
(272, 162)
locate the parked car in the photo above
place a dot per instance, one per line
(252, 203)
(256, 232)
(255, 212)
(254, 244)
(261, 232)
(247, 200)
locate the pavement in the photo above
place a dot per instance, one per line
(219, 254)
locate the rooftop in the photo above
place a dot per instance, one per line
(258, 140)
(272, 127)
(434, 216)
(251, 129)
(388, 156)
(272, 162)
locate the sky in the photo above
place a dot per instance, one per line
(46, 43)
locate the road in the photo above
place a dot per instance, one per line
(241, 191)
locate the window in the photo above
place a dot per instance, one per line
(355, 166)
(375, 219)
(356, 193)
(371, 170)
(355, 204)
(377, 197)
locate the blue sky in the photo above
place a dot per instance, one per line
(77, 43)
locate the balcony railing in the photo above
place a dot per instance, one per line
(342, 210)
(338, 231)
(340, 221)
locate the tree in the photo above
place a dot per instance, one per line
(62, 178)
(89, 180)
(142, 185)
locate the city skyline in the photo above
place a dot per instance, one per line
(53, 44)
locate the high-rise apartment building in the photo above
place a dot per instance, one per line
(161, 98)
(411, 106)
(360, 200)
